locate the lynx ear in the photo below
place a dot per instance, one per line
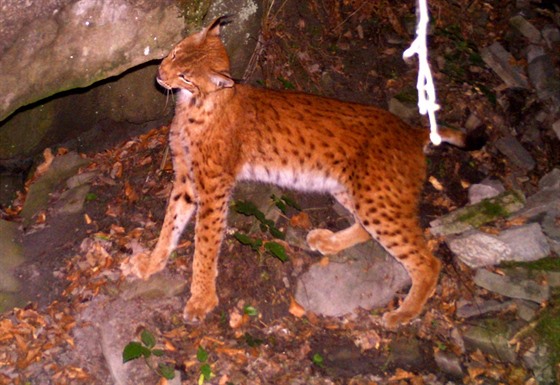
(215, 27)
(221, 80)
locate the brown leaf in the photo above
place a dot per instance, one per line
(301, 221)
(296, 309)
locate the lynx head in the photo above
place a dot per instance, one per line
(199, 64)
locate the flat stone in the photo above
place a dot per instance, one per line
(481, 307)
(491, 338)
(504, 285)
(158, 286)
(478, 249)
(527, 29)
(543, 77)
(473, 216)
(515, 152)
(538, 359)
(526, 310)
(527, 243)
(551, 180)
(542, 202)
(499, 60)
(449, 363)
(486, 189)
(72, 201)
(337, 288)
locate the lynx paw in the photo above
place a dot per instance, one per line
(321, 240)
(198, 307)
(394, 319)
(141, 265)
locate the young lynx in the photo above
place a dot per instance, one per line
(368, 159)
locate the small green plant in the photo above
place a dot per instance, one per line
(250, 311)
(249, 209)
(205, 368)
(318, 359)
(145, 348)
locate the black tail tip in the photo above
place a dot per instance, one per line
(476, 139)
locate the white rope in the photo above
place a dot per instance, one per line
(425, 85)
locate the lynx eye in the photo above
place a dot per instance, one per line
(184, 79)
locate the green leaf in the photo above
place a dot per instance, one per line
(201, 354)
(91, 197)
(250, 310)
(317, 359)
(206, 371)
(148, 339)
(290, 202)
(246, 208)
(276, 233)
(135, 350)
(244, 239)
(276, 250)
(278, 202)
(166, 371)
(158, 352)
(286, 83)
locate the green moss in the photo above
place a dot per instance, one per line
(487, 208)
(194, 11)
(548, 328)
(545, 264)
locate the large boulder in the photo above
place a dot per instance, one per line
(95, 61)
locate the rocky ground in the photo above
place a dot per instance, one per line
(492, 216)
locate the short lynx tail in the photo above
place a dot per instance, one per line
(470, 142)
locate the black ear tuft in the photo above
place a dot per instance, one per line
(215, 26)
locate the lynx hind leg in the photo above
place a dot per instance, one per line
(396, 227)
(328, 242)
(178, 213)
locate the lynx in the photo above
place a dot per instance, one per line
(368, 159)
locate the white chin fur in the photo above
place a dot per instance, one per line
(184, 95)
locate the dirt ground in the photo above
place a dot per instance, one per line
(345, 49)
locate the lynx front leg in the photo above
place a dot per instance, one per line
(179, 210)
(210, 227)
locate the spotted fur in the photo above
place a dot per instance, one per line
(367, 158)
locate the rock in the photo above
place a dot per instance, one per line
(92, 40)
(543, 77)
(551, 35)
(478, 249)
(556, 128)
(449, 363)
(72, 201)
(499, 60)
(491, 338)
(10, 184)
(337, 288)
(550, 181)
(527, 242)
(504, 285)
(481, 307)
(526, 310)
(542, 202)
(406, 352)
(473, 122)
(538, 359)
(551, 228)
(470, 217)
(158, 286)
(62, 168)
(486, 189)
(524, 243)
(11, 255)
(515, 152)
(405, 111)
(525, 28)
